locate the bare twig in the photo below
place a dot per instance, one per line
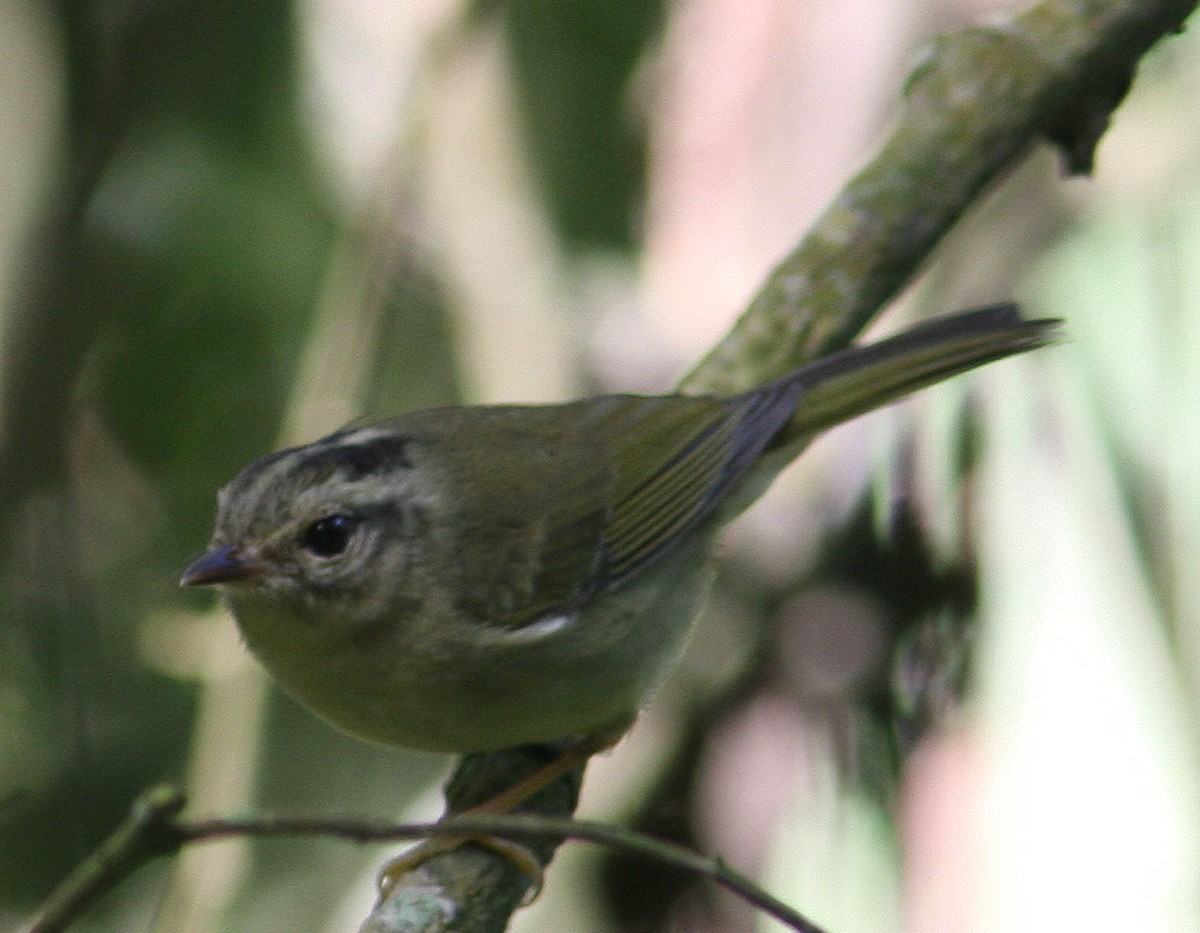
(147, 833)
(154, 829)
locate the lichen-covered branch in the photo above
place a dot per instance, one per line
(974, 104)
(463, 888)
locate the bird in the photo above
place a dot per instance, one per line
(470, 578)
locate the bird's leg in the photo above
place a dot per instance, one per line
(506, 801)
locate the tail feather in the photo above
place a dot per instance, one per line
(854, 381)
(851, 382)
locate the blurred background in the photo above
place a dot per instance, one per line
(949, 678)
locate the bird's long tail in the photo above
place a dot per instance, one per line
(859, 379)
(778, 419)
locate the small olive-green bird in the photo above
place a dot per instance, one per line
(465, 579)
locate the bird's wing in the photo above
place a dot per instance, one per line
(596, 491)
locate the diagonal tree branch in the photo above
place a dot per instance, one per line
(972, 107)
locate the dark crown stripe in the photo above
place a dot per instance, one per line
(360, 460)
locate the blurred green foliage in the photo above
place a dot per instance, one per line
(166, 291)
(572, 66)
(165, 296)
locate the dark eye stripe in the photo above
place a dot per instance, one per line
(405, 518)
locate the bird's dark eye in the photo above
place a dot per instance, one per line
(328, 537)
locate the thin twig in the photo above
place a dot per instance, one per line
(517, 826)
(153, 829)
(148, 832)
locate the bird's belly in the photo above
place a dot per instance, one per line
(472, 690)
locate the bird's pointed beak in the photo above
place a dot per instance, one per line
(220, 565)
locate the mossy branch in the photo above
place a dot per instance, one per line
(975, 103)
